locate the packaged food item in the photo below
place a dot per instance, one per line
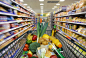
(7, 1)
(84, 42)
(74, 27)
(4, 27)
(73, 6)
(7, 34)
(82, 3)
(12, 32)
(16, 24)
(16, 31)
(3, 9)
(79, 29)
(15, 12)
(2, 36)
(3, 18)
(84, 31)
(77, 5)
(12, 25)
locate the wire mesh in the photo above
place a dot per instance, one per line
(70, 49)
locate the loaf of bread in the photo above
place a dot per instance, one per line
(82, 3)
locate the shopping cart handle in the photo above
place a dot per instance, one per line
(59, 53)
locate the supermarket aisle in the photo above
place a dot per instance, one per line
(18, 19)
(48, 28)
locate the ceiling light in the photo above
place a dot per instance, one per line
(41, 0)
(21, 0)
(57, 4)
(41, 4)
(62, 0)
(25, 4)
(53, 8)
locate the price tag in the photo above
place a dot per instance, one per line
(6, 49)
(0, 54)
(9, 47)
(3, 52)
(13, 43)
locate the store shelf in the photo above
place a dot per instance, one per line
(6, 5)
(9, 14)
(13, 29)
(72, 38)
(20, 49)
(61, 32)
(13, 36)
(14, 21)
(20, 5)
(9, 6)
(60, 11)
(71, 14)
(72, 22)
(73, 31)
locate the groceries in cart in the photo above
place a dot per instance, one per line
(42, 45)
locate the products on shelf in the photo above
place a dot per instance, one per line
(75, 36)
(5, 36)
(74, 8)
(2, 9)
(71, 19)
(6, 1)
(4, 27)
(17, 11)
(10, 33)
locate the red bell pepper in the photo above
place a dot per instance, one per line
(34, 37)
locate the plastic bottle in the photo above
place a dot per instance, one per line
(54, 31)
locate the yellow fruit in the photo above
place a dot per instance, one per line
(46, 36)
(30, 52)
(55, 41)
(50, 46)
(52, 37)
(59, 44)
(33, 41)
(29, 37)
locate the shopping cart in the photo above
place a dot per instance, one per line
(67, 51)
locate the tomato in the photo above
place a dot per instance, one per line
(25, 49)
(26, 45)
(53, 56)
(34, 37)
(29, 55)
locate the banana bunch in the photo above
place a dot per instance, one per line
(29, 37)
